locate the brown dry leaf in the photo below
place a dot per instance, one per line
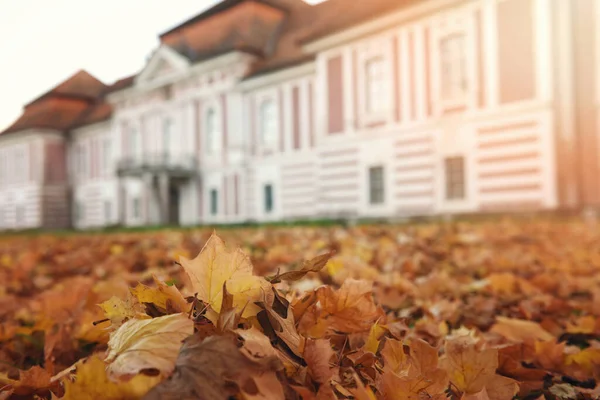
(348, 310)
(150, 344)
(277, 320)
(394, 356)
(215, 368)
(469, 368)
(318, 355)
(35, 380)
(91, 383)
(214, 266)
(314, 265)
(429, 386)
(228, 316)
(518, 330)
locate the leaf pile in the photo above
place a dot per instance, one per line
(494, 311)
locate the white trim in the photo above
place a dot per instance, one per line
(276, 77)
(93, 129)
(542, 20)
(163, 54)
(225, 60)
(406, 62)
(489, 24)
(391, 20)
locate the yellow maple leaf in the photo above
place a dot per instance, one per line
(375, 334)
(91, 382)
(119, 311)
(161, 295)
(150, 344)
(214, 266)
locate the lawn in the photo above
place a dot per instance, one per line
(463, 310)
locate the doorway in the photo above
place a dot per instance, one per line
(173, 205)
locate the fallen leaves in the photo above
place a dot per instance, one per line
(450, 311)
(147, 345)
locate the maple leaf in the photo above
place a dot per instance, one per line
(318, 355)
(214, 368)
(349, 310)
(166, 297)
(314, 265)
(119, 311)
(149, 344)
(469, 367)
(518, 330)
(214, 266)
(91, 382)
(374, 339)
(35, 380)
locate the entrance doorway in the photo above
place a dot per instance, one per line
(173, 216)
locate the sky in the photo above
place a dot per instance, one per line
(43, 42)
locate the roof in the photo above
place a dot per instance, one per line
(79, 85)
(76, 102)
(337, 15)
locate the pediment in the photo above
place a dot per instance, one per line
(164, 64)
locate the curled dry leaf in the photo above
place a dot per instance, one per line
(214, 266)
(215, 368)
(150, 344)
(313, 265)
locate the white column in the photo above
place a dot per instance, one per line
(490, 39)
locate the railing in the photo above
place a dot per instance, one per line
(186, 164)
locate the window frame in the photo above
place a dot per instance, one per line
(449, 176)
(274, 123)
(213, 202)
(212, 139)
(380, 49)
(269, 198)
(380, 199)
(447, 25)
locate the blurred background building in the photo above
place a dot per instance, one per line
(264, 110)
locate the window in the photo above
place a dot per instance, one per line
(455, 178)
(213, 202)
(135, 143)
(167, 132)
(78, 212)
(376, 185)
(82, 161)
(268, 124)
(375, 85)
(136, 206)
(268, 198)
(453, 67)
(20, 214)
(107, 210)
(107, 157)
(212, 132)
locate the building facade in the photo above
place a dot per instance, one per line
(265, 110)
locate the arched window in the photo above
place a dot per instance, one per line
(268, 123)
(212, 131)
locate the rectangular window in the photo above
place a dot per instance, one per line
(136, 208)
(107, 211)
(107, 156)
(375, 85)
(214, 198)
(453, 67)
(268, 198)
(78, 211)
(20, 214)
(376, 185)
(455, 178)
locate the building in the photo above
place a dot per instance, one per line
(274, 109)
